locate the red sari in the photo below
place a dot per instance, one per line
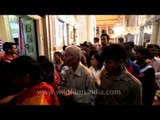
(41, 94)
(56, 79)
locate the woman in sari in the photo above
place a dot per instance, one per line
(26, 73)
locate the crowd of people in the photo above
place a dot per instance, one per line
(99, 73)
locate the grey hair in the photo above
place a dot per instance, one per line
(74, 51)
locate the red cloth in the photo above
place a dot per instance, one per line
(56, 80)
(8, 58)
(41, 94)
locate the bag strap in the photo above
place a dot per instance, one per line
(145, 68)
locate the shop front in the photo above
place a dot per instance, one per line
(25, 31)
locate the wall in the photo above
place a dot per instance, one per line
(3, 33)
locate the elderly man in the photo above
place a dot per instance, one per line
(80, 86)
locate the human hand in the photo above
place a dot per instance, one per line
(7, 99)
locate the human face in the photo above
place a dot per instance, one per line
(94, 62)
(138, 56)
(14, 49)
(57, 58)
(103, 41)
(68, 59)
(153, 51)
(112, 66)
(96, 46)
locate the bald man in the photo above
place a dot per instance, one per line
(80, 86)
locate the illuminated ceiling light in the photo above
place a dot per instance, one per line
(118, 30)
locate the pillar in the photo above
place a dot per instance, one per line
(158, 39)
(90, 30)
(141, 36)
(154, 34)
(5, 32)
